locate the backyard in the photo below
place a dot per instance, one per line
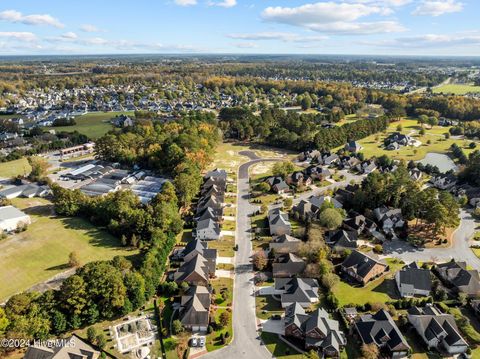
(42, 250)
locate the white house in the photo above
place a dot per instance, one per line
(11, 218)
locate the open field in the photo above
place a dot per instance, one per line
(94, 124)
(227, 155)
(457, 89)
(278, 348)
(373, 145)
(14, 168)
(42, 250)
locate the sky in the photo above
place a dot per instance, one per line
(364, 27)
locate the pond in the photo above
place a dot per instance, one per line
(442, 161)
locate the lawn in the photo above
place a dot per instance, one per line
(213, 339)
(94, 124)
(227, 154)
(14, 168)
(42, 250)
(373, 145)
(278, 348)
(266, 306)
(222, 285)
(224, 246)
(457, 89)
(380, 290)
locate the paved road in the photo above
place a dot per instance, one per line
(246, 341)
(460, 249)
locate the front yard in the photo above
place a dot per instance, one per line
(223, 289)
(224, 246)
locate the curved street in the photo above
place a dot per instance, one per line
(459, 250)
(246, 342)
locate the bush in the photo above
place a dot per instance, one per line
(177, 327)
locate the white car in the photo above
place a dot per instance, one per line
(201, 342)
(194, 342)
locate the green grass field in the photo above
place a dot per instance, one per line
(42, 250)
(14, 168)
(373, 145)
(457, 89)
(93, 125)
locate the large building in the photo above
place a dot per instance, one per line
(11, 218)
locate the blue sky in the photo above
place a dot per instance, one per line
(392, 27)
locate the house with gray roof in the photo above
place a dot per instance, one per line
(438, 330)
(353, 146)
(303, 291)
(413, 281)
(341, 239)
(363, 267)
(207, 230)
(379, 329)
(73, 347)
(277, 185)
(316, 330)
(285, 244)
(195, 272)
(462, 280)
(11, 218)
(278, 222)
(196, 246)
(217, 174)
(195, 308)
(287, 265)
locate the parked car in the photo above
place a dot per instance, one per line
(194, 342)
(201, 342)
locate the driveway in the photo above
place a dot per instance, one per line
(224, 260)
(274, 326)
(459, 250)
(246, 341)
(221, 273)
(268, 290)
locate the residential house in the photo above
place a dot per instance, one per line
(443, 181)
(367, 167)
(298, 178)
(345, 195)
(389, 218)
(398, 139)
(73, 347)
(353, 146)
(348, 162)
(316, 329)
(457, 275)
(195, 272)
(318, 201)
(310, 156)
(379, 329)
(278, 185)
(287, 265)
(359, 223)
(341, 239)
(438, 330)
(122, 121)
(216, 174)
(285, 244)
(11, 218)
(195, 308)
(196, 246)
(278, 222)
(363, 267)
(305, 210)
(330, 159)
(303, 291)
(207, 229)
(415, 174)
(209, 213)
(318, 172)
(413, 281)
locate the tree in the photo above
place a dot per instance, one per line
(177, 327)
(330, 218)
(263, 208)
(260, 260)
(224, 318)
(39, 166)
(91, 334)
(73, 260)
(3, 320)
(330, 280)
(101, 340)
(73, 294)
(287, 203)
(283, 169)
(263, 187)
(370, 351)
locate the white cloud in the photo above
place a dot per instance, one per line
(19, 36)
(185, 2)
(437, 8)
(281, 36)
(224, 3)
(246, 45)
(69, 35)
(89, 28)
(331, 17)
(35, 19)
(433, 41)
